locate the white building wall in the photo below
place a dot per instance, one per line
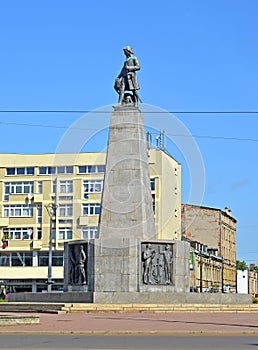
(242, 281)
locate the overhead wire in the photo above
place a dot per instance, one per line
(145, 112)
(95, 129)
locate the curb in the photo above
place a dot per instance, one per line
(133, 333)
(12, 320)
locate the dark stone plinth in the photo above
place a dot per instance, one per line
(131, 298)
(54, 297)
(171, 298)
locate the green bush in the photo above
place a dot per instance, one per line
(255, 300)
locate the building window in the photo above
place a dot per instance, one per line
(65, 198)
(18, 210)
(39, 234)
(65, 233)
(21, 259)
(18, 233)
(57, 259)
(176, 171)
(53, 186)
(66, 186)
(5, 258)
(65, 170)
(92, 186)
(39, 187)
(39, 214)
(19, 171)
(16, 259)
(91, 209)
(43, 170)
(66, 222)
(51, 170)
(43, 259)
(153, 203)
(18, 187)
(152, 184)
(89, 169)
(65, 210)
(90, 232)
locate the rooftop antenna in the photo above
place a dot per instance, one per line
(149, 139)
(158, 141)
(163, 140)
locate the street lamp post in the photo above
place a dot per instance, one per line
(201, 272)
(222, 275)
(51, 209)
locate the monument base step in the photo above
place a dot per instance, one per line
(159, 308)
(132, 298)
(170, 298)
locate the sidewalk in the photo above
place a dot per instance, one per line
(140, 323)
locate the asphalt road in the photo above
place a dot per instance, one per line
(75, 342)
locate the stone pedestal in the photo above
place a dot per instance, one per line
(116, 269)
(126, 262)
(113, 271)
(116, 265)
(123, 269)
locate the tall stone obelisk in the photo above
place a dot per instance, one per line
(126, 202)
(126, 216)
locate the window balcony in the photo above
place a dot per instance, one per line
(89, 220)
(4, 222)
(36, 244)
(38, 198)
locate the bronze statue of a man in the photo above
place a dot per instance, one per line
(127, 80)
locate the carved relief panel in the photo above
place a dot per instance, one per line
(157, 259)
(77, 264)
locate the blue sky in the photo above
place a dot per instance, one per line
(195, 56)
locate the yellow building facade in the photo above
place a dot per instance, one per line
(33, 184)
(205, 268)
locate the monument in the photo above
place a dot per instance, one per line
(126, 263)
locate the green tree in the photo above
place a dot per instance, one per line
(241, 265)
(255, 268)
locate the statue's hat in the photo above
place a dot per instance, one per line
(129, 49)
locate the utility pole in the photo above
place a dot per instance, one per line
(51, 209)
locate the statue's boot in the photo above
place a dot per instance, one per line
(121, 97)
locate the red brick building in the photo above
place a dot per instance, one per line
(215, 229)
